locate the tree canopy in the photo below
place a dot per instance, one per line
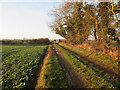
(76, 21)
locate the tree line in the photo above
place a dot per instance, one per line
(78, 21)
(41, 41)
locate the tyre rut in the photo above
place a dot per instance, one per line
(75, 81)
(96, 64)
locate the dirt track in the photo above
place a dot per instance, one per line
(96, 64)
(75, 81)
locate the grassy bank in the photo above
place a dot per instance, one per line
(96, 56)
(95, 77)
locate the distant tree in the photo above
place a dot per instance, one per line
(41, 41)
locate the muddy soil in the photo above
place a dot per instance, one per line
(75, 81)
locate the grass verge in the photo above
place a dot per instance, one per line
(96, 56)
(52, 75)
(95, 77)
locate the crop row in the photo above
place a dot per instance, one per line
(52, 75)
(9, 50)
(96, 56)
(18, 67)
(93, 76)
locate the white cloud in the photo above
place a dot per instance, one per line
(24, 22)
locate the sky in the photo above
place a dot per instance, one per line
(26, 20)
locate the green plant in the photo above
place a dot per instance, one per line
(18, 67)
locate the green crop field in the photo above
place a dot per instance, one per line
(57, 66)
(18, 64)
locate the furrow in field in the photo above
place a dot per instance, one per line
(12, 50)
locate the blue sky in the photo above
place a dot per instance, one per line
(19, 20)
